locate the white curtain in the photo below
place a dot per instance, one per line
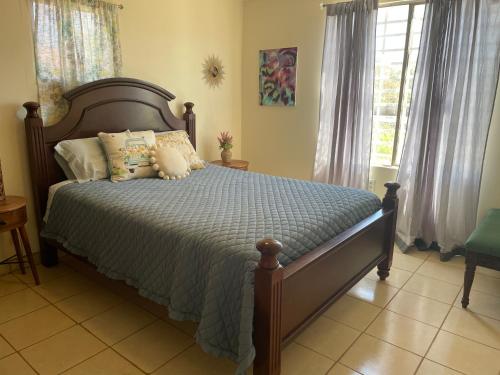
(346, 109)
(451, 107)
(76, 41)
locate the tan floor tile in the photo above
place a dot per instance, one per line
(340, 369)
(415, 253)
(375, 292)
(432, 288)
(154, 345)
(404, 332)
(19, 303)
(186, 326)
(328, 337)
(89, 304)
(10, 284)
(464, 355)
(457, 260)
(36, 326)
(5, 348)
(15, 365)
(486, 284)
(488, 272)
(45, 273)
(63, 287)
(396, 278)
(107, 362)
(119, 322)
(473, 326)
(353, 312)
(195, 361)
(431, 368)
(482, 303)
(62, 351)
(371, 356)
(297, 360)
(420, 308)
(443, 272)
(406, 262)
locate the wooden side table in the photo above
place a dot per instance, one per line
(235, 164)
(12, 218)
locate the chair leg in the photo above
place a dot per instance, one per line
(470, 270)
(17, 246)
(29, 254)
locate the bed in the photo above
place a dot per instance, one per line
(321, 239)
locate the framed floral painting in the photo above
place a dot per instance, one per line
(278, 76)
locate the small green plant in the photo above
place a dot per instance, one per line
(225, 141)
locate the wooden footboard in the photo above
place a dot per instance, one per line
(288, 298)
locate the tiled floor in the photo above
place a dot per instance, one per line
(410, 324)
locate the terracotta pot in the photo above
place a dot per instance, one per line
(2, 191)
(226, 156)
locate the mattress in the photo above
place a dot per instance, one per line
(190, 244)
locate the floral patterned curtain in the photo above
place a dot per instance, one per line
(76, 41)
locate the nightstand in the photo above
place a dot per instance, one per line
(235, 164)
(13, 216)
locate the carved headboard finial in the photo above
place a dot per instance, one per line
(269, 250)
(391, 197)
(32, 108)
(189, 107)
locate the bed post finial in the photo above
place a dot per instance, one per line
(267, 317)
(32, 108)
(269, 248)
(390, 200)
(190, 118)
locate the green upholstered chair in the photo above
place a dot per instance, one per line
(482, 249)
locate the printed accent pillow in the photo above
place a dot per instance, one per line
(179, 140)
(128, 154)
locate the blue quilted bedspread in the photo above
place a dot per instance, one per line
(190, 244)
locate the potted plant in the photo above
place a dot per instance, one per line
(225, 144)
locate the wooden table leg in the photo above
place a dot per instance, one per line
(29, 254)
(17, 246)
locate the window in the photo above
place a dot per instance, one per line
(76, 41)
(398, 39)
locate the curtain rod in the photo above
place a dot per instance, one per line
(381, 5)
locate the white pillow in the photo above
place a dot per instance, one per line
(85, 158)
(179, 140)
(169, 163)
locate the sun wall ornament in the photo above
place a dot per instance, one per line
(213, 71)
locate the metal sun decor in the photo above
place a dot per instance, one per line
(213, 71)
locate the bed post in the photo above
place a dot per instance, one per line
(389, 203)
(35, 138)
(190, 119)
(267, 317)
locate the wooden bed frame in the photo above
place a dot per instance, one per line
(287, 298)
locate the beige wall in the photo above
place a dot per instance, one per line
(164, 42)
(17, 85)
(282, 141)
(279, 140)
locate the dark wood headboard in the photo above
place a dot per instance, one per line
(108, 105)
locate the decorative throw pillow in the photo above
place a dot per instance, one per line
(179, 140)
(169, 163)
(128, 154)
